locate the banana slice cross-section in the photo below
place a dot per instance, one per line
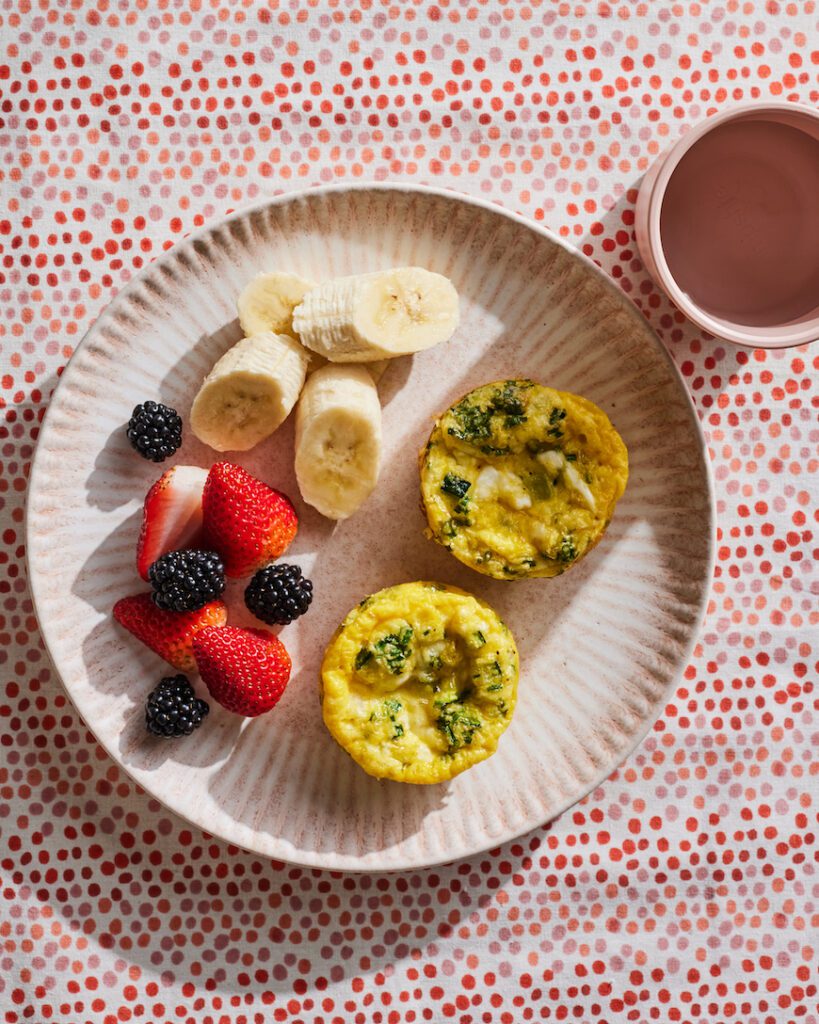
(268, 301)
(338, 439)
(377, 316)
(249, 392)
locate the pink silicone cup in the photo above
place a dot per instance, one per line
(798, 331)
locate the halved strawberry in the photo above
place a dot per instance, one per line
(170, 634)
(171, 515)
(246, 670)
(248, 523)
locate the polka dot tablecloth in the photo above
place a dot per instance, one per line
(686, 887)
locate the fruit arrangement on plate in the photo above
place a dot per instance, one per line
(517, 480)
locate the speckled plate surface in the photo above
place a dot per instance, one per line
(600, 647)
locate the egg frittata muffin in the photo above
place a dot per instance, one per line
(520, 480)
(419, 682)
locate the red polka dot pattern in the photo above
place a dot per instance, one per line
(684, 889)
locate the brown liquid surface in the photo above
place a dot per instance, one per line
(740, 223)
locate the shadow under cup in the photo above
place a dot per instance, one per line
(728, 224)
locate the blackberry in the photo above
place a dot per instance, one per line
(186, 580)
(278, 594)
(173, 709)
(155, 431)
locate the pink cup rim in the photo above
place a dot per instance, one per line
(785, 336)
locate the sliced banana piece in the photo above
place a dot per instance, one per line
(268, 301)
(338, 439)
(377, 316)
(249, 392)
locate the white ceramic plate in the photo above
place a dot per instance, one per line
(600, 647)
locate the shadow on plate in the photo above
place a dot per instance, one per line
(108, 485)
(188, 372)
(361, 814)
(130, 669)
(113, 559)
(394, 378)
(143, 751)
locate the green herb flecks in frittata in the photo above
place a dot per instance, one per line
(363, 656)
(555, 417)
(458, 723)
(390, 707)
(394, 649)
(507, 401)
(455, 485)
(472, 422)
(567, 552)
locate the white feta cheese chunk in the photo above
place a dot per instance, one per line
(575, 480)
(487, 484)
(553, 461)
(501, 485)
(556, 462)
